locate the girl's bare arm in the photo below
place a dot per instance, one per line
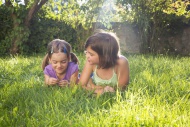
(74, 78)
(123, 73)
(85, 75)
(86, 82)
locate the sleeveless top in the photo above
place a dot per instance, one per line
(102, 82)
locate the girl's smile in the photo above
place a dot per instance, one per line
(59, 62)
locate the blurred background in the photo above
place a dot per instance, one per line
(143, 26)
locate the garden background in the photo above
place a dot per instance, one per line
(159, 89)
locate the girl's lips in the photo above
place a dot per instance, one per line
(59, 69)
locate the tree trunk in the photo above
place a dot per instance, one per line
(34, 8)
(32, 11)
(14, 47)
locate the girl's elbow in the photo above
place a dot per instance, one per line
(123, 86)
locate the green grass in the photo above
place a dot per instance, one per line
(158, 95)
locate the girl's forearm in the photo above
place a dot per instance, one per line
(47, 80)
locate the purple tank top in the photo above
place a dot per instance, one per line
(71, 69)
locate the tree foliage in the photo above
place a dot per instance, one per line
(69, 12)
(29, 26)
(20, 16)
(179, 8)
(155, 18)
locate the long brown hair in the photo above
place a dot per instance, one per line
(106, 45)
(56, 46)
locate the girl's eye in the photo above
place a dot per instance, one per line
(54, 62)
(91, 54)
(64, 61)
(86, 52)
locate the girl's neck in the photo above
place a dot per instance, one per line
(105, 68)
(61, 76)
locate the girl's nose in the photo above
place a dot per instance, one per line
(59, 64)
(87, 55)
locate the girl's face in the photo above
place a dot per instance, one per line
(59, 62)
(91, 56)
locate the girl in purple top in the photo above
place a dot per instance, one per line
(60, 65)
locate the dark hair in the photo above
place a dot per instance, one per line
(56, 46)
(106, 45)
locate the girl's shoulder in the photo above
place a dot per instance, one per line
(122, 60)
(49, 66)
(73, 65)
(122, 64)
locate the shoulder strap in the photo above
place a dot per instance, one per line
(95, 69)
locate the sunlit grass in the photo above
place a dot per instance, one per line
(158, 95)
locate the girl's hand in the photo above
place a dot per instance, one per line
(104, 90)
(109, 89)
(52, 81)
(63, 83)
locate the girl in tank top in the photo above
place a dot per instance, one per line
(110, 69)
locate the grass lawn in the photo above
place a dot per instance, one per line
(158, 95)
